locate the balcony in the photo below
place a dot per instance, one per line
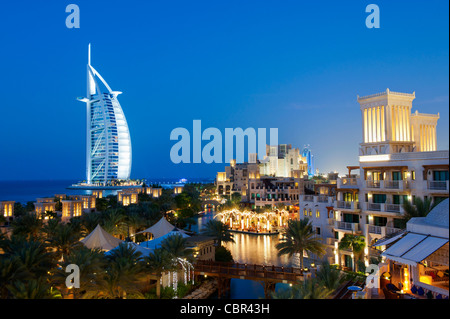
(393, 208)
(373, 184)
(385, 207)
(375, 229)
(438, 185)
(344, 226)
(308, 198)
(347, 205)
(388, 185)
(347, 182)
(382, 230)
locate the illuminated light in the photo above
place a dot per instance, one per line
(375, 158)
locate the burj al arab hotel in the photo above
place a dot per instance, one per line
(108, 143)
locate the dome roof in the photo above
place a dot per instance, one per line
(439, 214)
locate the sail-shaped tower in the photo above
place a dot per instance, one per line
(108, 142)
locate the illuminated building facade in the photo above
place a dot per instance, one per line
(398, 162)
(278, 178)
(108, 143)
(7, 208)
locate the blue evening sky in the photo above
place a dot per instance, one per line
(294, 65)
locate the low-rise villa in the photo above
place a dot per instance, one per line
(418, 260)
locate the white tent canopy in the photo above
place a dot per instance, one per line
(155, 243)
(388, 240)
(413, 248)
(99, 238)
(144, 251)
(161, 228)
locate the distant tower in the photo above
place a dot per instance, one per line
(108, 143)
(389, 127)
(306, 153)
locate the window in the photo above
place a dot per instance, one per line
(348, 197)
(318, 230)
(379, 198)
(310, 212)
(379, 221)
(440, 175)
(396, 176)
(413, 175)
(305, 212)
(350, 218)
(317, 214)
(377, 176)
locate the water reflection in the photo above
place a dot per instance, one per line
(253, 249)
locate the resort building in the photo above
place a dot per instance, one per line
(43, 205)
(278, 178)
(202, 246)
(88, 202)
(272, 191)
(152, 191)
(60, 196)
(108, 143)
(318, 207)
(128, 196)
(417, 260)
(71, 208)
(177, 190)
(97, 193)
(398, 162)
(7, 208)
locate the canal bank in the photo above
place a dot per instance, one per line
(252, 249)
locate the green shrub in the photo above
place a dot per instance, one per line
(222, 254)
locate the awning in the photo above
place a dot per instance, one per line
(425, 248)
(388, 240)
(413, 248)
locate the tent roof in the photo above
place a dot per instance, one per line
(413, 248)
(99, 238)
(144, 251)
(155, 243)
(388, 240)
(161, 228)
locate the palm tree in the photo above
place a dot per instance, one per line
(175, 245)
(31, 254)
(64, 239)
(11, 270)
(218, 230)
(299, 237)
(134, 222)
(329, 276)
(90, 221)
(419, 208)
(92, 264)
(32, 289)
(28, 225)
(356, 243)
(158, 262)
(310, 288)
(114, 222)
(125, 268)
(50, 227)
